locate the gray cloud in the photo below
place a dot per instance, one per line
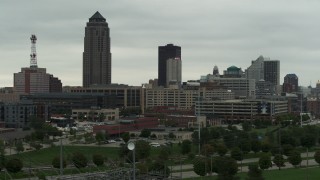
(210, 32)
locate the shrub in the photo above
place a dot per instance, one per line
(98, 159)
(14, 165)
(79, 160)
(56, 162)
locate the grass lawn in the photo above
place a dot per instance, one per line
(284, 174)
(45, 156)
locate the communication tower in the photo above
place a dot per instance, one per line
(33, 55)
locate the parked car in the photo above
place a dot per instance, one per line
(154, 144)
(110, 141)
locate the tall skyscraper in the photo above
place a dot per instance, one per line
(96, 55)
(169, 51)
(272, 71)
(256, 70)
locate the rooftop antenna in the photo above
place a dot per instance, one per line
(33, 55)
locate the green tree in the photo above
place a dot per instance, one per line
(153, 136)
(227, 167)
(19, 146)
(199, 166)
(145, 133)
(246, 126)
(56, 162)
(14, 165)
(207, 150)
(171, 135)
(221, 149)
(36, 123)
(278, 160)
(295, 158)
(160, 167)
(79, 160)
(126, 137)
(100, 137)
(317, 156)
(254, 173)
(164, 153)
(185, 147)
(142, 149)
(287, 148)
(255, 145)
(308, 141)
(265, 146)
(265, 161)
(98, 159)
(236, 154)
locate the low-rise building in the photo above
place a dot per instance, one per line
(95, 114)
(242, 110)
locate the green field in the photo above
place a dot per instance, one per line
(312, 173)
(45, 156)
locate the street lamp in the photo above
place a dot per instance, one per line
(131, 147)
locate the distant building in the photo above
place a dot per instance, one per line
(35, 80)
(290, 83)
(169, 51)
(272, 71)
(264, 88)
(126, 125)
(126, 96)
(256, 69)
(241, 87)
(233, 72)
(215, 71)
(18, 115)
(265, 69)
(182, 98)
(96, 114)
(242, 110)
(173, 72)
(96, 55)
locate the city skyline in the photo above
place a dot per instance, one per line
(222, 33)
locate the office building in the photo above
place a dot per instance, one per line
(33, 79)
(96, 55)
(242, 110)
(173, 72)
(169, 51)
(256, 69)
(272, 71)
(241, 87)
(290, 83)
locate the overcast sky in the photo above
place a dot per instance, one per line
(210, 32)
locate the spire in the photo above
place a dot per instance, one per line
(33, 55)
(97, 17)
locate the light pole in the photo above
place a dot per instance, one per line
(301, 110)
(61, 158)
(131, 147)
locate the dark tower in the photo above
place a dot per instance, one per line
(166, 52)
(96, 55)
(290, 83)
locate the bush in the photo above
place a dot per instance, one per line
(79, 160)
(98, 159)
(56, 162)
(37, 146)
(14, 165)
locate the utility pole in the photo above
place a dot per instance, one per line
(61, 159)
(301, 111)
